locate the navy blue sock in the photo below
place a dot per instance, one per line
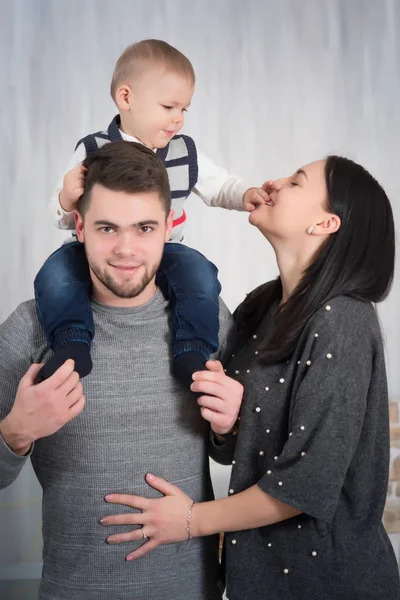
(78, 351)
(186, 364)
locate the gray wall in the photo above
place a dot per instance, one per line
(280, 83)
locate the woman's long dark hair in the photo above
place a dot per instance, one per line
(356, 261)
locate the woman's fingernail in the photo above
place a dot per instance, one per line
(103, 521)
(110, 540)
(150, 476)
(108, 497)
(129, 557)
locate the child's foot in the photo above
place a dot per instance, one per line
(186, 364)
(78, 351)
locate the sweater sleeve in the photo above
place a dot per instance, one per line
(16, 335)
(327, 411)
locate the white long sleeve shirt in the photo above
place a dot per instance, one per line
(215, 186)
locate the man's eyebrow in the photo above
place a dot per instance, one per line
(137, 225)
(105, 223)
(144, 223)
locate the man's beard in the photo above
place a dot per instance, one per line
(128, 289)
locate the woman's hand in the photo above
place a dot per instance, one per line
(163, 520)
(222, 399)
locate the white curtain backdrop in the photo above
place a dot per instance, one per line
(279, 83)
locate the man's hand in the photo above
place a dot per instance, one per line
(255, 196)
(222, 399)
(73, 188)
(41, 410)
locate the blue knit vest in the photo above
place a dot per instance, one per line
(179, 157)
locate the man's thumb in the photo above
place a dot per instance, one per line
(30, 376)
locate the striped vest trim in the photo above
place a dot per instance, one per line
(179, 156)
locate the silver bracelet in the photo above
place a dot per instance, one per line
(188, 520)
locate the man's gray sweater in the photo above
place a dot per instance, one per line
(137, 419)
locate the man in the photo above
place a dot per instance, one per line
(129, 417)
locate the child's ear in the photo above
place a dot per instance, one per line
(79, 227)
(123, 97)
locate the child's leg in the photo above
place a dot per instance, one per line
(62, 291)
(189, 281)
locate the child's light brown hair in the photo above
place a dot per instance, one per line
(147, 53)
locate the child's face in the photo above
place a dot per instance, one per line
(155, 106)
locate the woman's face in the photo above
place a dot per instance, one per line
(297, 202)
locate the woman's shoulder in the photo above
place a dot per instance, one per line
(348, 318)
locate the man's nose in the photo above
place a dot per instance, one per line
(125, 244)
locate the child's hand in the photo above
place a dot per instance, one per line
(74, 185)
(254, 196)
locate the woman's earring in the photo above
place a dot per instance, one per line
(310, 229)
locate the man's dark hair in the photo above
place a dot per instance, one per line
(126, 167)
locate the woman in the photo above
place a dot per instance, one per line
(310, 461)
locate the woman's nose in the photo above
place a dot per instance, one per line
(277, 184)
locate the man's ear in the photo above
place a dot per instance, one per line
(79, 226)
(168, 226)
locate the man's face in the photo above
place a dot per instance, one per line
(124, 236)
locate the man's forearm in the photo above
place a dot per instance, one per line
(250, 509)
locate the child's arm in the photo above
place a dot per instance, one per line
(216, 187)
(68, 191)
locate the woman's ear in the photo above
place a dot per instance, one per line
(328, 226)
